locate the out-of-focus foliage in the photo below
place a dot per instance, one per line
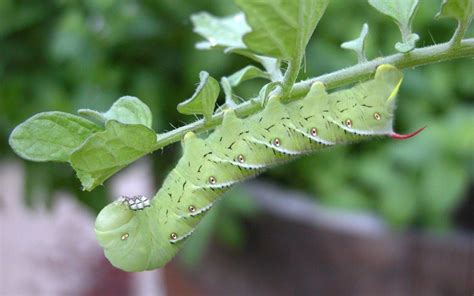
(67, 55)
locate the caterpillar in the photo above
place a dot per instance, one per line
(139, 234)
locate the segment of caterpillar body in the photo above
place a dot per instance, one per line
(137, 235)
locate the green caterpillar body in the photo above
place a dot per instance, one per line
(137, 240)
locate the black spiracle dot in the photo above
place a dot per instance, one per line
(192, 209)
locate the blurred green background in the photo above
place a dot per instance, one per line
(67, 55)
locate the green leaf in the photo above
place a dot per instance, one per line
(129, 110)
(204, 99)
(461, 10)
(107, 152)
(358, 45)
(51, 136)
(220, 32)
(281, 28)
(402, 11)
(247, 73)
(229, 97)
(266, 90)
(408, 44)
(227, 32)
(271, 65)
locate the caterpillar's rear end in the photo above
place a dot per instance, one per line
(138, 235)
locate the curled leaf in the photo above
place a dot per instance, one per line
(127, 109)
(462, 11)
(402, 12)
(271, 65)
(247, 73)
(266, 91)
(204, 98)
(408, 44)
(227, 88)
(227, 32)
(358, 44)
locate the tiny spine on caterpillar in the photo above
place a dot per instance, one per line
(138, 234)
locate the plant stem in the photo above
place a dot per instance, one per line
(291, 75)
(418, 57)
(459, 33)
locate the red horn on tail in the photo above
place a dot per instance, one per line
(396, 136)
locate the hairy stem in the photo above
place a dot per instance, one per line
(290, 75)
(418, 57)
(459, 33)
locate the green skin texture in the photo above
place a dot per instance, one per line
(237, 150)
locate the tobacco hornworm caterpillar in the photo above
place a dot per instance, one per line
(138, 235)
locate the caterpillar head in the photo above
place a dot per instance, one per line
(369, 107)
(122, 229)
